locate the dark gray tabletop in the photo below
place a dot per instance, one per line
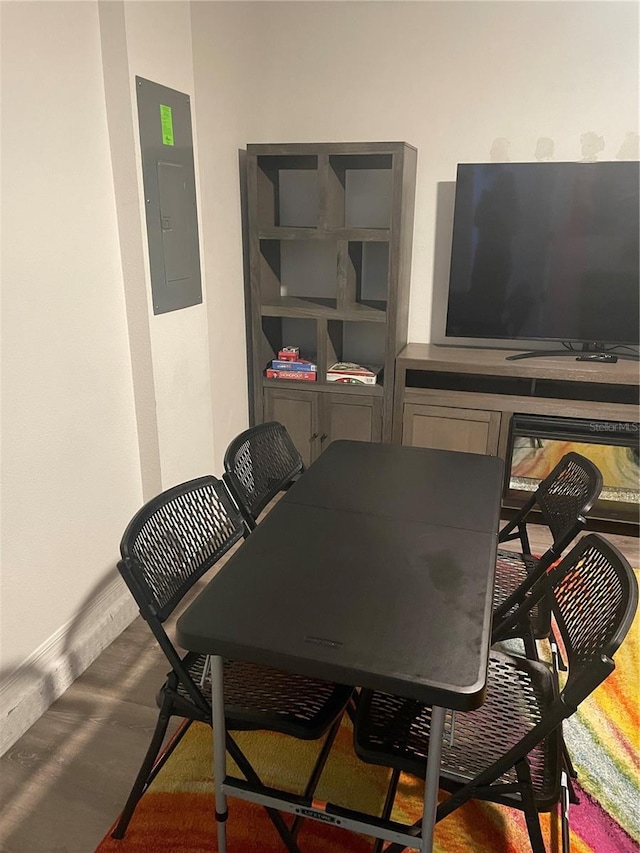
(438, 486)
(363, 597)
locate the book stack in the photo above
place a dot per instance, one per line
(289, 365)
(350, 373)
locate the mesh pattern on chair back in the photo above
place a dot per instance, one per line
(260, 462)
(568, 492)
(506, 716)
(595, 595)
(175, 538)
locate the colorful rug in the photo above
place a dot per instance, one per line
(176, 814)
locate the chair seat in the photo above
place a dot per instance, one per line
(394, 732)
(512, 569)
(262, 698)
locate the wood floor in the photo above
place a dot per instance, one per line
(64, 782)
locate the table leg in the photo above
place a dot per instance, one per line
(432, 778)
(219, 749)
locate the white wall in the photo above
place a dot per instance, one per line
(70, 461)
(226, 39)
(158, 38)
(450, 78)
(103, 403)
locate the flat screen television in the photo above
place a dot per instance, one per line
(546, 252)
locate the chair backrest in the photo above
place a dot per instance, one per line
(173, 540)
(564, 499)
(259, 463)
(568, 493)
(594, 597)
(594, 600)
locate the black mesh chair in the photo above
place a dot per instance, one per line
(168, 546)
(563, 499)
(259, 463)
(509, 751)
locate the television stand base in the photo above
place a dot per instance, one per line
(455, 398)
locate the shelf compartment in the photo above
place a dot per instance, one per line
(279, 332)
(303, 270)
(359, 192)
(288, 191)
(595, 391)
(366, 270)
(360, 343)
(523, 386)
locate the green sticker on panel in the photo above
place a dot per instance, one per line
(166, 122)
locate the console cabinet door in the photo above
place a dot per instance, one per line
(351, 417)
(444, 428)
(298, 411)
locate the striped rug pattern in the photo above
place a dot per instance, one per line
(176, 814)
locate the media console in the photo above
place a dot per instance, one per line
(468, 399)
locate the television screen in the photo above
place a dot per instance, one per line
(546, 251)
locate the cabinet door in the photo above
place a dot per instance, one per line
(351, 417)
(444, 428)
(298, 412)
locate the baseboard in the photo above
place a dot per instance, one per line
(27, 692)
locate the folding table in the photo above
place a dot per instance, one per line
(374, 570)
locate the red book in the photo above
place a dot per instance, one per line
(306, 376)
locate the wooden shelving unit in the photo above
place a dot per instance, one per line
(329, 232)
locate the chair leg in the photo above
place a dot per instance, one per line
(318, 767)
(564, 814)
(530, 646)
(571, 773)
(145, 773)
(574, 799)
(529, 807)
(566, 758)
(251, 776)
(571, 770)
(352, 707)
(388, 806)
